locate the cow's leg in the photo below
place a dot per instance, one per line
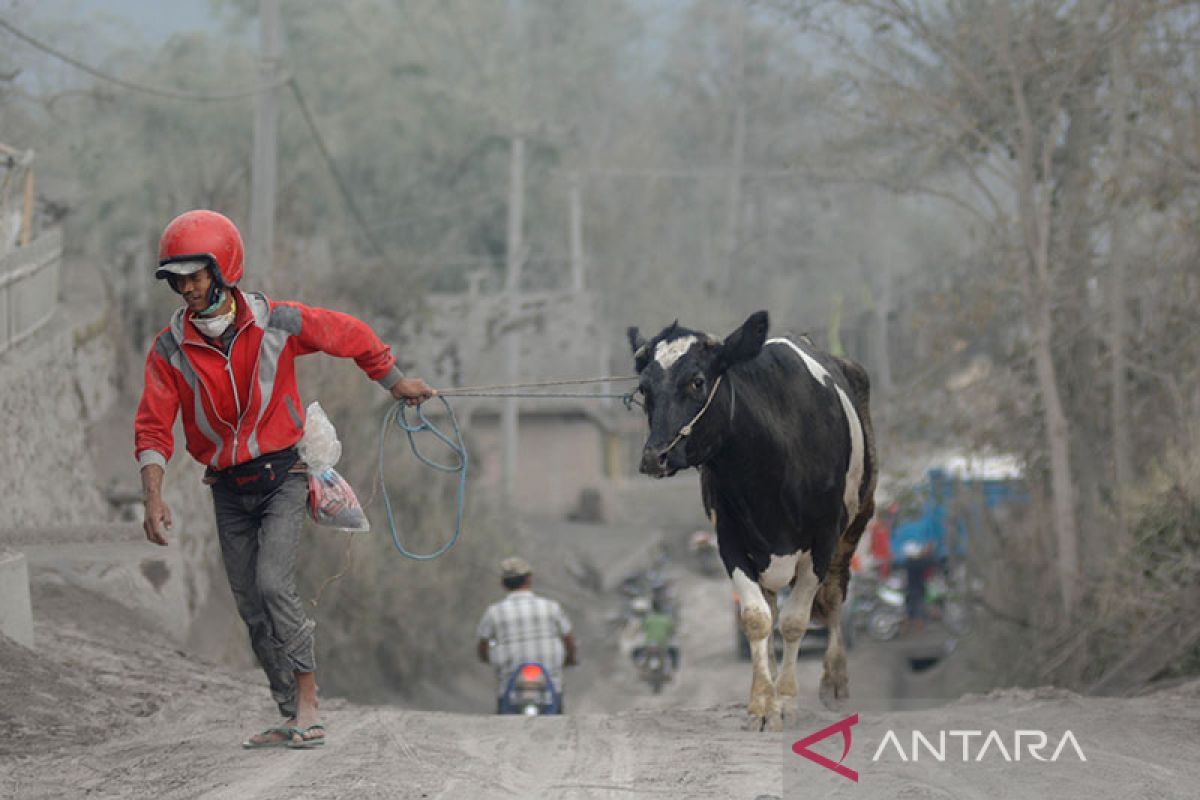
(772, 603)
(756, 624)
(793, 622)
(835, 682)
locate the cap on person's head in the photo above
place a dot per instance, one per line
(515, 568)
(180, 268)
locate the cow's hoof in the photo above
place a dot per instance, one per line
(772, 722)
(789, 708)
(834, 694)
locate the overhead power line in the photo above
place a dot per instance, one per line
(157, 91)
(176, 94)
(347, 197)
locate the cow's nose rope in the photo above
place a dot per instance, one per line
(686, 430)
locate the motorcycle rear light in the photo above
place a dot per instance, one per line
(531, 673)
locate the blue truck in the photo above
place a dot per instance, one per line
(957, 496)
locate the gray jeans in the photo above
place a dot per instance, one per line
(260, 534)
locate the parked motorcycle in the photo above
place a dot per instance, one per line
(862, 599)
(531, 692)
(889, 612)
(946, 606)
(702, 545)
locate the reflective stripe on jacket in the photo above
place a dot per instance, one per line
(238, 406)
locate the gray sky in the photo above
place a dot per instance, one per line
(151, 19)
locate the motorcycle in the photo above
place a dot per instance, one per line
(530, 692)
(946, 606)
(890, 611)
(654, 666)
(705, 554)
(862, 599)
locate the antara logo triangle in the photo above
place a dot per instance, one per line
(800, 748)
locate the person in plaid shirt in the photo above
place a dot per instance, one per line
(525, 627)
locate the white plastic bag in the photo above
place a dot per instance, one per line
(319, 446)
(331, 501)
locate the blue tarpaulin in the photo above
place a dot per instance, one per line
(937, 492)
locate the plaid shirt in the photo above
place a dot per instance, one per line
(525, 627)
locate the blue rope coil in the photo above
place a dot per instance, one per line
(397, 414)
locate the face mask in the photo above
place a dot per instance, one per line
(213, 327)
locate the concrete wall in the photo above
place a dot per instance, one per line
(16, 616)
(112, 560)
(51, 386)
(66, 444)
(557, 458)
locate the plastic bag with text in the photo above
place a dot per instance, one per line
(331, 501)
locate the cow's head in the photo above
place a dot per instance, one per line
(678, 370)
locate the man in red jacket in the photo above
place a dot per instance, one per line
(226, 362)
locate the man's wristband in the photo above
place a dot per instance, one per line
(393, 376)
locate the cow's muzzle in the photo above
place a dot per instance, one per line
(657, 463)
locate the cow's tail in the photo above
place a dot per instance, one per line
(860, 384)
(833, 588)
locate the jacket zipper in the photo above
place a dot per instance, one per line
(232, 382)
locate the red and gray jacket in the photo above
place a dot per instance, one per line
(238, 406)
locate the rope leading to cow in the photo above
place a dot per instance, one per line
(397, 415)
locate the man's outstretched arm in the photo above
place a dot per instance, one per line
(157, 514)
(154, 442)
(340, 334)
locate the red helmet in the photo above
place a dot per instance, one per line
(206, 236)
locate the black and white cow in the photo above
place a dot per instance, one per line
(782, 436)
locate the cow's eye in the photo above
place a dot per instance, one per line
(698, 382)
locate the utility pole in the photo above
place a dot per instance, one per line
(264, 165)
(512, 287)
(737, 158)
(27, 202)
(576, 234)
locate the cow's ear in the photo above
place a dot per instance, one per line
(744, 343)
(636, 340)
(638, 344)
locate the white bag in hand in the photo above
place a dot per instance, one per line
(319, 446)
(331, 501)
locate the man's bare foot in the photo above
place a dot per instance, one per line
(308, 729)
(306, 737)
